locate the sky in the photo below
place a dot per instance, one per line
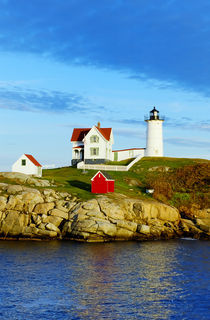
(71, 63)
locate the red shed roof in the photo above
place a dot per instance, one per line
(79, 133)
(105, 174)
(33, 160)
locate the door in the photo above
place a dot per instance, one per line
(116, 156)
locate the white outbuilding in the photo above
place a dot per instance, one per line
(27, 164)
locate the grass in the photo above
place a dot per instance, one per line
(120, 163)
(131, 183)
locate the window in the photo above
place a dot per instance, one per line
(94, 151)
(23, 162)
(76, 154)
(94, 139)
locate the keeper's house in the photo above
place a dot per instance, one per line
(27, 164)
(92, 145)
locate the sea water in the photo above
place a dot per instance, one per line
(121, 280)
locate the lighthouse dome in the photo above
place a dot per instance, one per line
(154, 114)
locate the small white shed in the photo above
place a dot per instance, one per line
(27, 164)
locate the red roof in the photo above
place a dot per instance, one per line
(30, 157)
(104, 174)
(79, 147)
(79, 134)
(106, 132)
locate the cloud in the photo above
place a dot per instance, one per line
(17, 98)
(164, 40)
(181, 142)
(131, 121)
(186, 123)
(129, 132)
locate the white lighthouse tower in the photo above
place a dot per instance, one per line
(154, 135)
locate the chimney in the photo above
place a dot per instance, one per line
(99, 125)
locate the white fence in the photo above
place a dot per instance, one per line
(104, 167)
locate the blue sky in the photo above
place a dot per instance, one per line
(72, 63)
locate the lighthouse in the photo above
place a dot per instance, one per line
(154, 146)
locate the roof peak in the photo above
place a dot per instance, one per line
(33, 160)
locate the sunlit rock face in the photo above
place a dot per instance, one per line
(47, 214)
(121, 218)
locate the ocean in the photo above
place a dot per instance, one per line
(118, 280)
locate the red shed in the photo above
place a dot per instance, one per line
(102, 183)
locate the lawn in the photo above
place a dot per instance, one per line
(131, 183)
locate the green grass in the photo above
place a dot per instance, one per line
(78, 182)
(120, 163)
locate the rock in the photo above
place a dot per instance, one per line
(14, 223)
(3, 186)
(143, 229)
(202, 214)
(168, 213)
(31, 190)
(21, 177)
(91, 205)
(64, 194)
(133, 182)
(87, 225)
(47, 233)
(189, 227)
(66, 231)
(3, 202)
(30, 200)
(131, 226)
(52, 219)
(41, 226)
(46, 214)
(96, 214)
(52, 227)
(111, 208)
(159, 169)
(15, 202)
(65, 205)
(13, 189)
(44, 207)
(123, 234)
(49, 192)
(203, 224)
(138, 208)
(59, 213)
(107, 228)
(36, 219)
(30, 231)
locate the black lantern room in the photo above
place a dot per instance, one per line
(154, 114)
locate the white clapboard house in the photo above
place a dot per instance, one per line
(27, 164)
(92, 145)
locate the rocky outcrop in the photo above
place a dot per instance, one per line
(25, 179)
(29, 213)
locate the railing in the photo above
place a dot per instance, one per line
(103, 167)
(158, 117)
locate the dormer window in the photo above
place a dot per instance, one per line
(94, 139)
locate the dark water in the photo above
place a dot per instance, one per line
(127, 280)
